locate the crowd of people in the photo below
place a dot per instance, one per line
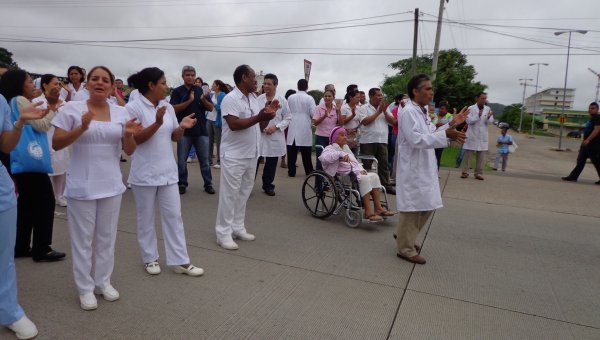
(63, 146)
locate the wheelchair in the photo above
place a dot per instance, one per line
(324, 195)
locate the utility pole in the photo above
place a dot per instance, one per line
(598, 84)
(415, 39)
(524, 83)
(537, 78)
(436, 48)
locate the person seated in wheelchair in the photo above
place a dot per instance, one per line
(337, 158)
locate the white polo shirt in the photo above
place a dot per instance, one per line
(153, 162)
(377, 131)
(242, 143)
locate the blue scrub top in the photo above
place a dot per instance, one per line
(8, 199)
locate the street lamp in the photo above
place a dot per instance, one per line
(524, 83)
(562, 115)
(537, 77)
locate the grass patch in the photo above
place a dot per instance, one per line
(449, 158)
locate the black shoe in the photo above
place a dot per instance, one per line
(270, 192)
(181, 190)
(23, 253)
(390, 190)
(50, 256)
(209, 189)
(569, 179)
(597, 183)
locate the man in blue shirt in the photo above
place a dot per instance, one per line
(590, 147)
(188, 99)
(502, 143)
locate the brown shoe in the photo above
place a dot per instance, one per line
(479, 177)
(464, 175)
(418, 259)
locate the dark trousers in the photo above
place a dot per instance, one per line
(35, 213)
(380, 151)
(438, 156)
(586, 152)
(269, 170)
(292, 153)
(322, 141)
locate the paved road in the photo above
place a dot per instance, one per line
(512, 257)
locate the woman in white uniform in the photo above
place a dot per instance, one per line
(97, 132)
(153, 176)
(75, 89)
(51, 101)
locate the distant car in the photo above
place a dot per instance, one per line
(574, 134)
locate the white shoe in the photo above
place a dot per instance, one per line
(24, 328)
(190, 160)
(229, 244)
(88, 301)
(216, 166)
(61, 201)
(109, 293)
(244, 236)
(191, 270)
(153, 268)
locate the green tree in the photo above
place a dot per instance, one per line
(316, 94)
(6, 58)
(512, 115)
(455, 81)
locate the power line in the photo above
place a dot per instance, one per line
(130, 3)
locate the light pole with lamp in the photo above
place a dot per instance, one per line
(562, 115)
(524, 83)
(537, 78)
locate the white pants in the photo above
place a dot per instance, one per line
(93, 231)
(237, 180)
(169, 204)
(368, 182)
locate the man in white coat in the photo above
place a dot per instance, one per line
(272, 138)
(299, 138)
(478, 119)
(243, 120)
(417, 185)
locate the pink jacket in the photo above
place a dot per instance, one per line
(330, 159)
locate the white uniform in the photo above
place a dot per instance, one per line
(76, 95)
(273, 145)
(477, 133)
(302, 108)
(60, 158)
(239, 152)
(417, 185)
(134, 95)
(153, 178)
(94, 189)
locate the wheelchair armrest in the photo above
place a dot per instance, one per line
(367, 157)
(319, 147)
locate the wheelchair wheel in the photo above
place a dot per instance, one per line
(319, 194)
(353, 218)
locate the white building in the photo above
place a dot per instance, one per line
(551, 98)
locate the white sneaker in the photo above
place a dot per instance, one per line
(88, 301)
(244, 236)
(24, 328)
(190, 160)
(216, 166)
(153, 268)
(191, 270)
(228, 244)
(61, 201)
(109, 293)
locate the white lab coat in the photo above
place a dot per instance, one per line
(417, 184)
(477, 133)
(302, 107)
(273, 145)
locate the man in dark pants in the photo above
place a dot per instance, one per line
(188, 99)
(590, 147)
(299, 137)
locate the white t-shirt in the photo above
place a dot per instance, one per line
(377, 131)
(153, 163)
(347, 112)
(242, 143)
(94, 168)
(135, 94)
(76, 95)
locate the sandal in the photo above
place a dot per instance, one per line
(374, 218)
(464, 175)
(386, 213)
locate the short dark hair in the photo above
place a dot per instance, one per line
(3, 65)
(239, 72)
(361, 92)
(480, 93)
(11, 83)
(351, 87)
(76, 68)
(289, 93)
(45, 80)
(444, 105)
(272, 77)
(415, 83)
(141, 79)
(594, 104)
(302, 85)
(119, 79)
(373, 91)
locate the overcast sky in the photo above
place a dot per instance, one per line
(387, 29)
